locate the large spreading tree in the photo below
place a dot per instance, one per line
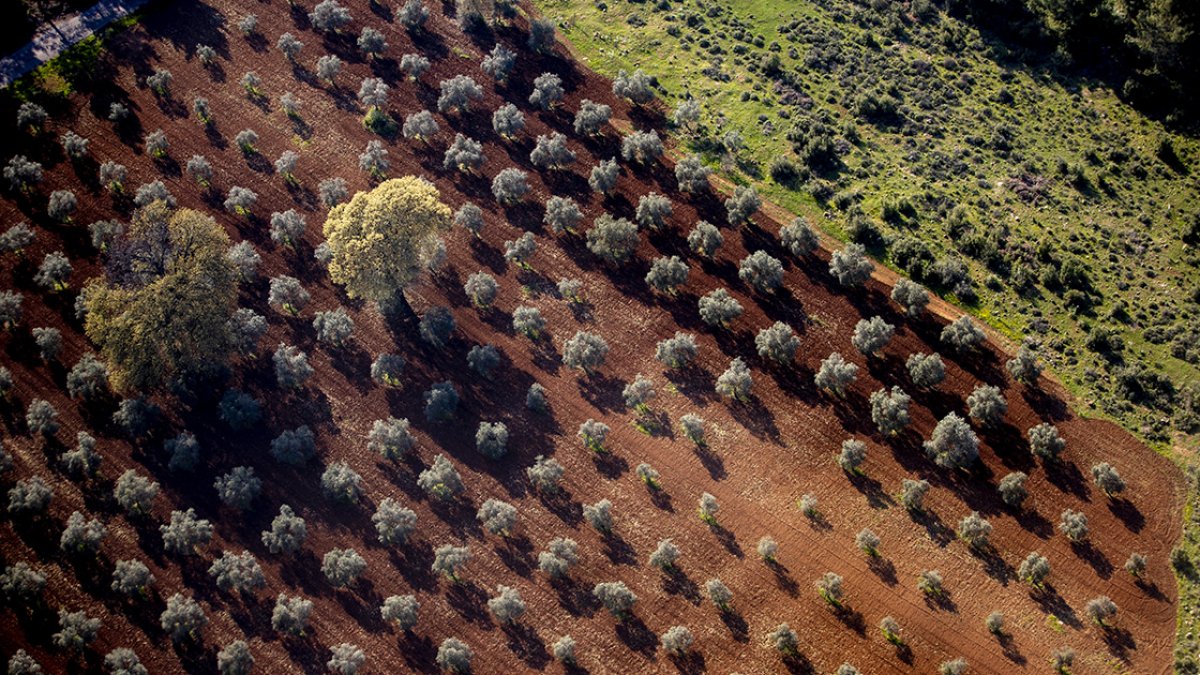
(162, 307)
(383, 239)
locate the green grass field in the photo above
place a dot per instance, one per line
(1032, 197)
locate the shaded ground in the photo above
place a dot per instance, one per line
(762, 456)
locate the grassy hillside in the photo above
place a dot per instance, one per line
(1020, 190)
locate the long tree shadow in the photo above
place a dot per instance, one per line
(1128, 513)
(738, 628)
(676, 582)
(884, 569)
(617, 550)
(635, 635)
(469, 600)
(1093, 556)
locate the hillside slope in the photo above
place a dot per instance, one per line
(762, 455)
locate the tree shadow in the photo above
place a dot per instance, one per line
(617, 550)
(1128, 513)
(676, 582)
(635, 635)
(993, 565)
(851, 618)
(527, 645)
(1093, 556)
(783, 577)
(691, 662)
(1050, 602)
(884, 569)
(877, 497)
(469, 600)
(1010, 650)
(757, 419)
(711, 462)
(1067, 477)
(728, 540)
(937, 530)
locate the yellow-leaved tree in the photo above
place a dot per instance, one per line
(382, 240)
(161, 308)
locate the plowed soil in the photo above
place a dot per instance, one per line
(762, 456)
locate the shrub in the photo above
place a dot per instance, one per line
(541, 36)
(835, 374)
(677, 640)
(926, 370)
(135, 493)
(1012, 488)
(995, 623)
(185, 533)
(987, 405)
(975, 530)
(449, 560)
(510, 186)
(599, 515)
(603, 177)
(291, 367)
(545, 474)
(963, 335)
(591, 118)
(507, 605)
(1074, 525)
(564, 650)
(953, 444)
(562, 214)
(287, 534)
(692, 175)
(636, 87)
(705, 239)
(784, 639)
(1045, 441)
(642, 147)
(294, 446)
(454, 655)
(851, 266)
(953, 667)
(891, 630)
(585, 351)
(333, 327)
(61, 205)
(808, 506)
(735, 383)
(1107, 479)
(252, 83)
(245, 260)
(520, 250)
(457, 93)
(328, 16)
(648, 475)
(744, 203)
(912, 494)
(436, 326)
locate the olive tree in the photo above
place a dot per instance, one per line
(333, 327)
(183, 618)
(836, 374)
(889, 410)
(599, 515)
(558, 558)
(1107, 479)
(719, 308)
(692, 175)
(562, 214)
(593, 434)
(345, 659)
(441, 401)
(82, 535)
(912, 494)
(294, 446)
(341, 483)
(744, 203)
(292, 369)
(287, 534)
(441, 479)
(510, 186)
(291, 614)
(953, 443)
(1012, 488)
(1034, 570)
(545, 474)
(342, 566)
(677, 640)
(52, 274)
(76, 630)
(1045, 441)
(185, 533)
(328, 16)
(591, 118)
(987, 405)
(1024, 367)
(457, 93)
(464, 155)
(413, 15)
(603, 177)
(135, 493)
(705, 239)
(387, 368)
(784, 639)
(132, 577)
(851, 266)
(829, 587)
(585, 351)
(541, 36)
(975, 530)
(237, 572)
(419, 126)
(508, 121)
(499, 63)
(551, 152)
(238, 488)
(911, 296)
(1074, 525)
(507, 605)
(449, 560)
(926, 370)
(454, 655)
(872, 335)
(400, 610)
(667, 274)
(491, 439)
(678, 351)
(778, 343)
(735, 383)
(642, 147)
(1100, 609)
(393, 521)
(963, 334)
(665, 555)
(374, 161)
(615, 596)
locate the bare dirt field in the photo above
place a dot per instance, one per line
(761, 457)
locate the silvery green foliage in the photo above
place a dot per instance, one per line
(744, 203)
(692, 175)
(393, 521)
(343, 566)
(518, 251)
(641, 147)
(131, 577)
(16, 238)
(328, 16)
(341, 483)
(374, 159)
(62, 205)
(294, 446)
(74, 145)
(200, 169)
(82, 535)
(391, 438)
(413, 14)
(851, 266)
(49, 342)
(237, 572)
(1012, 488)
(333, 191)
(835, 374)
(156, 143)
(987, 405)
(599, 515)
(238, 488)
(239, 410)
(853, 454)
(528, 321)
(419, 125)
(508, 121)
(677, 640)
(372, 43)
(718, 308)
(705, 239)
(31, 116)
(535, 399)
(400, 610)
(185, 533)
(291, 614)
(510, 186)
(436, 326)
(235, 659)
(963, 335)
(135, 493)
(246, 327)
(41, 418)
(653, 210)
(289, 45)
(735, 383)
(564, 649)
(454, 655)
(498, 64)
(105, 232)
(22, 173)
(926, 370)
(778, 343)
(1074, 525)
(441, 479)
(457, 93)
(291, 367)
(137, 416)
(665, 555)
(551, 152)
(678, 351)
(154, 191)
(449, 560)
(615, 596)
(911, 296)
(953, 443)
(889, 410)
(1024, 367)
(470, 218)
(287, 534)
(975, 530)
(541, 35)
(585, 351)
(333, 327)
(491, 439)
(637, 87)
(604, 176)
(183, 618)
(441, 401)
(591, 118)
(558, 558)
(872, 335)
(76, 630)
(328, 67)
(686, 114)
(184, 451)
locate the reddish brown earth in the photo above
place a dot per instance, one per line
(763, 455)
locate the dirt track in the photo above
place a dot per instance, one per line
(763, 455)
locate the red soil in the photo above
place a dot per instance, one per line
(762, 456)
